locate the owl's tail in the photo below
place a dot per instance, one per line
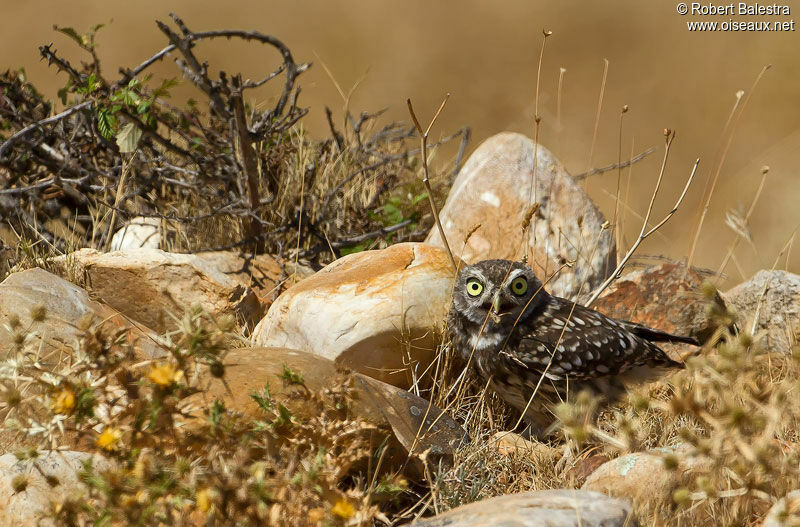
(656, 335)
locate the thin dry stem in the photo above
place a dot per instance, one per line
(617, 225)
(722, 162)
(426, 180)
(597, 117)
(747, 215)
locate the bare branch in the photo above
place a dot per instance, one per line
(426, 179)
(644, 233)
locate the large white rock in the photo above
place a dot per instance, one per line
(377, 312)
(149, 285)
(493, 190)
(139, 233)
(542, 508)
(46, 481)
(772, 300)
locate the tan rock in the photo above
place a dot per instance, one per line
(377, 312)
(149, 285)
(641, 477)
(543, 508)
(30, 488)
(494, 190)
(772, 300)
(57, 336)
(416, 425)
(64, 305)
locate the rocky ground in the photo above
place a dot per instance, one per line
(146, 386)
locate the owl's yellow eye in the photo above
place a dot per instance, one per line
(519, 286)
(474, 287)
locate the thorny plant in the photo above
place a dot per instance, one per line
(171, 461)
(230, 176)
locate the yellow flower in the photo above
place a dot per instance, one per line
(205, 499)
(344, 509)
(164, 375)
(64, 402)
(109, 439)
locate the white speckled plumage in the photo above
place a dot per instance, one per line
(539, 339)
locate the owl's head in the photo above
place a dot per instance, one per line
(501, 290)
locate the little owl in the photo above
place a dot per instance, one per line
(518, 336)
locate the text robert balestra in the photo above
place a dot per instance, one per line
(741, 8)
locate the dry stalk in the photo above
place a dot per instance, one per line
(627, 195)
(561, 73)
(644, 233)
(118, 198)
(738, 238)
(423, 139)
(597, 117)
(249, 161)
(618, 224)
(722, 162)
(537, 127)
(633, 159)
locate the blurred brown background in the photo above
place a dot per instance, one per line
(486, 54)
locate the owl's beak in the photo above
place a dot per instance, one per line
(496, 304)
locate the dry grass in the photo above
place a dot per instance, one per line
(732, 417)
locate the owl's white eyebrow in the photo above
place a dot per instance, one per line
(513, 274)
(477, 276)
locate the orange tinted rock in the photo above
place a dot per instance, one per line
(64, 305)
(584, 468)
(666, 297)
(378, 312)
(416, 425)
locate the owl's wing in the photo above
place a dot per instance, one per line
(580, 344)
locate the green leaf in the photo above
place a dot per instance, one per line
(290, 376)
(419, 198)
(215, 415)
(264, 400)
(63, 92)
(350, 250)
(71, 33)
(128, 138)
(163, 90)
(105, 123)
(283, 418)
